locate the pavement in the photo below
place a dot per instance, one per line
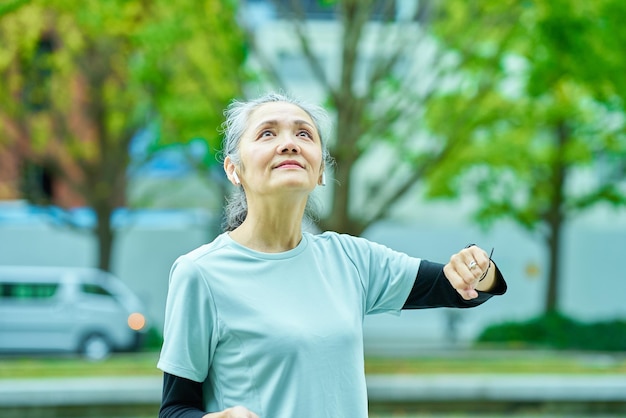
(381, 388)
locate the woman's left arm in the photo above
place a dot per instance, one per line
(456, 284)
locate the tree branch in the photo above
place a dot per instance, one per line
(299, 23)
(266, 64)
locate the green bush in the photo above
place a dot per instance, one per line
(153, 340)
(557, 331)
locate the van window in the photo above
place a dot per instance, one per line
(26, 291)
(94, 289)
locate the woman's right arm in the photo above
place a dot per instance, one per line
(182, 398)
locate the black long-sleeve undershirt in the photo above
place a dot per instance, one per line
(182, 398)
(432, 289)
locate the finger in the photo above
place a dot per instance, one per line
(466, 291)
(477, 261)
(468, 294)
(472, 264)
(453, 276)
(473, 267)
(479, 255)
(241, 412)
(458, 282)
(462, 264)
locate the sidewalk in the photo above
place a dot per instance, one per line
(381, 388)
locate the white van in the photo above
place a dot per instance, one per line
(66, 309)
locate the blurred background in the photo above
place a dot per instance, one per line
(453, 121)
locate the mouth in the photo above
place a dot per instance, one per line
(289, 164)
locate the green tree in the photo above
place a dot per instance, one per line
(378, 75)
(81, 78)
(549, 141)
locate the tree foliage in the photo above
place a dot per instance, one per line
(548, 139)
(378, 76)
(81, 78)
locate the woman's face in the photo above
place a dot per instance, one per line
(280, 151)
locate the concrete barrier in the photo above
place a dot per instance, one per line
(381, 388)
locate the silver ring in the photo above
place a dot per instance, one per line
(472, 264)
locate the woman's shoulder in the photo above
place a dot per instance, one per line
(351, 243)
(206, 250)
(198, 261)
(346, 241)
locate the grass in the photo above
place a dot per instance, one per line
(132, 364)
(526, 362)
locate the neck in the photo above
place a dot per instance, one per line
(271, 227)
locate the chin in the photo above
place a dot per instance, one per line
(297, 185)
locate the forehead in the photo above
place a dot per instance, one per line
(278, 112)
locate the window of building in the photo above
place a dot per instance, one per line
(36, 183)
(37, 73)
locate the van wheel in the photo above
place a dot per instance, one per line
(96, 347)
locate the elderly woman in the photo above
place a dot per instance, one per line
(266, 320)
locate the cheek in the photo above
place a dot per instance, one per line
(254, 156)
(318, 159)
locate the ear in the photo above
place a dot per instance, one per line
(231, 173)
(322, 179)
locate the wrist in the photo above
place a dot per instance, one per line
(488, 279)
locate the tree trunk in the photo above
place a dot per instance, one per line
(554, 247)
(555, 219)
(349, 120)
(105, 236)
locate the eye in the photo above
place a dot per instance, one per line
(266, 134)
(305, 134)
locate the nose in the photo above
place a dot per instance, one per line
(288, 146)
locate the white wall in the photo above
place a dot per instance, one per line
(593, 281)
(592, 286)
(143, 254)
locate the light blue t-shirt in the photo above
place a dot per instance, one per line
(281, 333)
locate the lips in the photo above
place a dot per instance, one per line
(289, 164)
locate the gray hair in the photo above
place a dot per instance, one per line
(237, 117)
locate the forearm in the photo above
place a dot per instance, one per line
(432, 289)
(182, 398)
(181, 412)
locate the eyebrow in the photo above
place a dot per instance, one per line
(274, 122)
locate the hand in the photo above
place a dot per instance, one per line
(465, 269)
(234, 412)
(240, 412)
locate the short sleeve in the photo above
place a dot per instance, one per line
(189, 333)
(387, 276)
